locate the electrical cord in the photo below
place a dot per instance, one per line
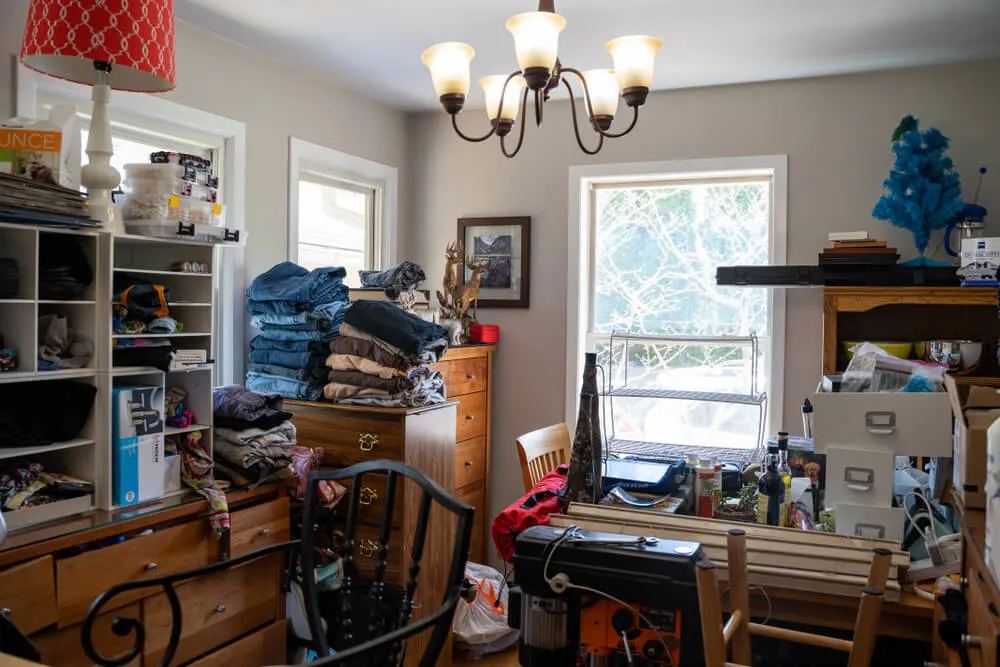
(560, 582)
(949, 544)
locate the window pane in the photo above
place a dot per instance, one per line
(130, 151)
(333, 228)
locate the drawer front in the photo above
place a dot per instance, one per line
(373, 498)
(264, 647)
(476, 496)
(82, 578)
(259, 526)
(63, 648)
(28, 594)
(217, 609)
(982, 620)
(347, 441)
(873, 522)
(471, 416)
(861, 476)
(366, 554)
(466, 376)
(904, 423)
(470, 462)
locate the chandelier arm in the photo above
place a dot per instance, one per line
(496, 124)
(590, 108)
(576, 125)
(520, 136)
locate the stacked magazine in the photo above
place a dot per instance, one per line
(29, 202)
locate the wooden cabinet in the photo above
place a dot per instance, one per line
(49, 586)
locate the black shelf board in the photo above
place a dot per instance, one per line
(854, 275)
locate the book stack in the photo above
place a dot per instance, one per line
(30, 202)
(187, 359)
(857, 248)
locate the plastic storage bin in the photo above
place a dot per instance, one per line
(167, 207)
(170, 186)
(183, 231)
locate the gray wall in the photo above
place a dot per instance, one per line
(835, 132)
(273, 99)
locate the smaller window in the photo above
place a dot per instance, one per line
(336, 225)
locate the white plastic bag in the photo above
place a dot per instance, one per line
(480, 627)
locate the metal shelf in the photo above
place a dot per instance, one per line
(680, 395)
(671, 452)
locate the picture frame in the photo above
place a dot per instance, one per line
(507, 242)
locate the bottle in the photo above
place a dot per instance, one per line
(769, 489)
(785, 472)
(807, 418)
(705, 488)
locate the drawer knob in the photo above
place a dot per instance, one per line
(266, 532)
(367, 441)
(470, 417)
(470, 377)
(150, 567)
(5, 612)
(369, 496)
(469, 464)
(220, 609)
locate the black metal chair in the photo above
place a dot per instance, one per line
(377, 643)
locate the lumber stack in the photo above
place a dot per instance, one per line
(776, 557)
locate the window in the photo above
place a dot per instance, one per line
(336, 225)
(131, 146)
(686, 375)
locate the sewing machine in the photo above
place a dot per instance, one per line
(613, 599)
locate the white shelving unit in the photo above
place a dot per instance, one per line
(113, 258)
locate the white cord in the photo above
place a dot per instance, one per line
(921, 593)
(560, 582)
(763, 591)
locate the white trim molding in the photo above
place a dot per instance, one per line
(580, 248)
(304, 156)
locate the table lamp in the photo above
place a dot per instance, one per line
(119, 44)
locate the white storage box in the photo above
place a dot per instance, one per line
(167, 207)
(861, 476)
(48, 512)
(170, 186)
(183, 231)
(870, 522)
(904, 423)
(137, 456)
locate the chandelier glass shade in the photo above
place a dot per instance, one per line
(536, 46)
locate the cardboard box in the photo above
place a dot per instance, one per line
(139, 464)
(975, 408)
(980, 259)
(993, 500)
(43, 150)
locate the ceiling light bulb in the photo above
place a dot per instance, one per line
(536, 38)
(449, 66)
(634, 56)
(493, 88)
(602, 85)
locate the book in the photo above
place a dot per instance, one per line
(378, 294)
(848, 236)
(878, 250)
(871, 259)
(860, 244)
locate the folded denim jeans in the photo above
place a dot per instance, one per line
(300, 374)
(281, 333)
(297, 360)
(286, 387)
(290, 282)
(265, 343)
(333, 313)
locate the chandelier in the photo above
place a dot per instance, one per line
(536, 43)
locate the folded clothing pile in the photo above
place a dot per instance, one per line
(64, 271)
(253, 435)
(298, 313)
(381, 358)
(60, 346)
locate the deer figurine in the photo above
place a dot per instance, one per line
(449, 298)
(469, 295)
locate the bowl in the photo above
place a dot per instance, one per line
(895, 348)
(962, 356)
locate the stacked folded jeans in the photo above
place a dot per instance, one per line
(298, 313)
(253, 435)
(381, 358)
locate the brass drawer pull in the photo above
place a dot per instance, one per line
(5, 612)
(150, 567)
(469, 464)
(220, 609)
(470, 417)
(369, 496)
(470, 377)
(367, 442)
(367, 548)
(266, 532)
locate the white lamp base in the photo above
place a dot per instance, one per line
(98, 176)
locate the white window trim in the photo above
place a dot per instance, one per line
(580, 247)
(306, 156)
(159, 111)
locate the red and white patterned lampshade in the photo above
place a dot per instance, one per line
(63, 38)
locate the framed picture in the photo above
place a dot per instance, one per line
(503, 245)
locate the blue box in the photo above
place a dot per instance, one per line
(137, 457)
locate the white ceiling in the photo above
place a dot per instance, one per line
(375, 45)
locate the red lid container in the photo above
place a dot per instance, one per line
(484, 333)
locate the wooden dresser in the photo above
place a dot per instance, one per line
(47, 582)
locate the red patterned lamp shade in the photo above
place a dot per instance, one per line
(63, 38)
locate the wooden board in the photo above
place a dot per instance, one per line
(264, 647)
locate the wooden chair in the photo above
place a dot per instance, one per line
(542, 451)
(738, 629)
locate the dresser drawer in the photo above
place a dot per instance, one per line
(264, 647)
(259, 526)
(372, 500)
(82, 578)
(217, 609)
(28, 592)
(348, 440)
(982, 619)
(366, 554)
(476, 496)
(466, 376)
(63, 648)
(471, 418)
(470, 462)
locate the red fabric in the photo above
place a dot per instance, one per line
(137, 34)
(531, 509)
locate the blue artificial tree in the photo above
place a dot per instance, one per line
(923, 192)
